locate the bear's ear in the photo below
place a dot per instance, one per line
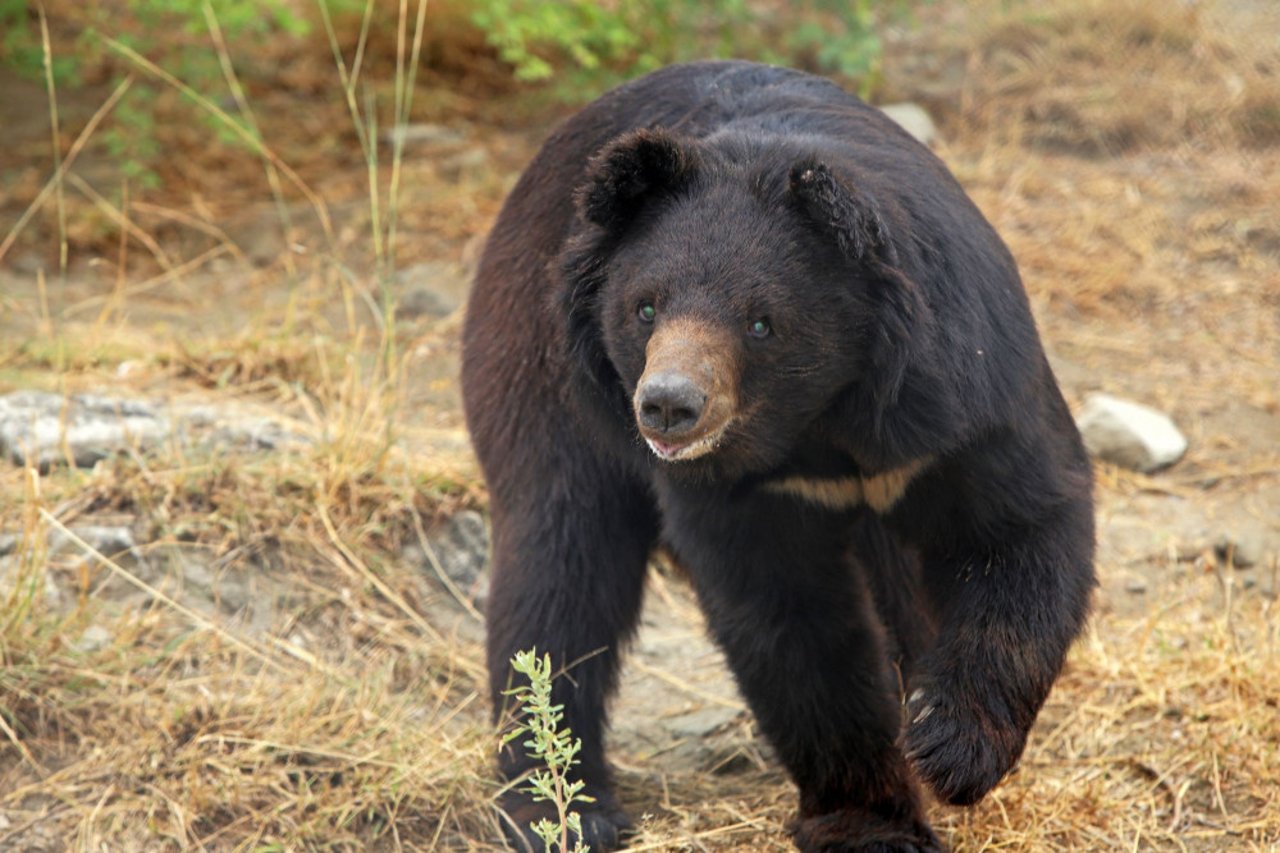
(625, 174)
(631, 168)
(844, 212)
(849, 216)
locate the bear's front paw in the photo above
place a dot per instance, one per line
(603, 823)
(960, 744)
(849, 830)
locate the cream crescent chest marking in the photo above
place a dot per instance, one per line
(880, 492)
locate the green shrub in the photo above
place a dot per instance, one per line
(575, 47)
(172, 33)
(166, 30)
(586, 45)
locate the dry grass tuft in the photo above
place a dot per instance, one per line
(323, 709)
(138, 712)
(1162, 733)
(1104, 78)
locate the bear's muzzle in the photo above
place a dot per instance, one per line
(687, 395)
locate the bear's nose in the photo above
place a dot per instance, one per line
(670, 403)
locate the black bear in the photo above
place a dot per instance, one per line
(734, 311)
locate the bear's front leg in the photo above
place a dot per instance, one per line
(795, 620)
(1010, 585)
(567, 579)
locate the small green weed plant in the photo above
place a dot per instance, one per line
(554, 746)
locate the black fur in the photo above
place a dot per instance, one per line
(636, 165)
(900, 337)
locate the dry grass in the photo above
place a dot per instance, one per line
(1163, 732)
(1103, 77)
(1127, 151)
(348, 719)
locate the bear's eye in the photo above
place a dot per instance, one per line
(646, 311)
(760, 328)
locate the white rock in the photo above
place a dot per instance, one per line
(34, 426)
(93, 638)
(1129, 434)
(914, 120)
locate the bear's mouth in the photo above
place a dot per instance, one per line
(680, 451)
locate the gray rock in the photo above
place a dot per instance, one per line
(230, 590)
(107, 540)
(1244, 548)
(93, 638)
(34, 426)
(1129, 434)
(422, 134)
(252, 433)
(115, 405)
(28, 263)
(198, 417)
(432, 288)
(423, 302)
(700, 722)
(914, 120)
(466, 161)
(459, 547)
(13, 572)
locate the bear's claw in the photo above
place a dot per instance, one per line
(958, 747)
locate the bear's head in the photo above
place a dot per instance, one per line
(723, 294)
